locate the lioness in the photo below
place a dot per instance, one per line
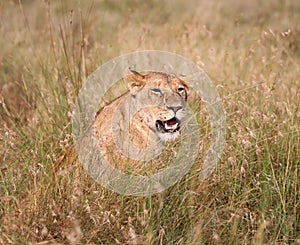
(151, 112)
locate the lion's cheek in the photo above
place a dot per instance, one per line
(181, 114)
(147, 118)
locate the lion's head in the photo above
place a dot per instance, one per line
(163, 99)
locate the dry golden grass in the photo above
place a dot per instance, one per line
(251, 51)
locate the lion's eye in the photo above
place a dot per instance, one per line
(156, 91)
(180, 90)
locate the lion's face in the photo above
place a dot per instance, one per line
(163, 99)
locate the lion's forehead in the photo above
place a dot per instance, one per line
(166, 84)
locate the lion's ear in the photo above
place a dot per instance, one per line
(136, 81)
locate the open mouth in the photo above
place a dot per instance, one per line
(170, 126)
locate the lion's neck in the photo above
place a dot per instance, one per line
(140, 134)
(126, 116)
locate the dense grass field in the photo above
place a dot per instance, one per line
(251, 52)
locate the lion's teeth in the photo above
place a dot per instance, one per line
(174, 126)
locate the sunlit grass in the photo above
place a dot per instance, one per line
(251, 53)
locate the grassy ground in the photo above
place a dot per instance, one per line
(251, 51)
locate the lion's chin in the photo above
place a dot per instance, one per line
(167, 137)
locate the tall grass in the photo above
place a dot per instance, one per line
(250, 51)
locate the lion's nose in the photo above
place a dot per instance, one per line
(174, 108)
